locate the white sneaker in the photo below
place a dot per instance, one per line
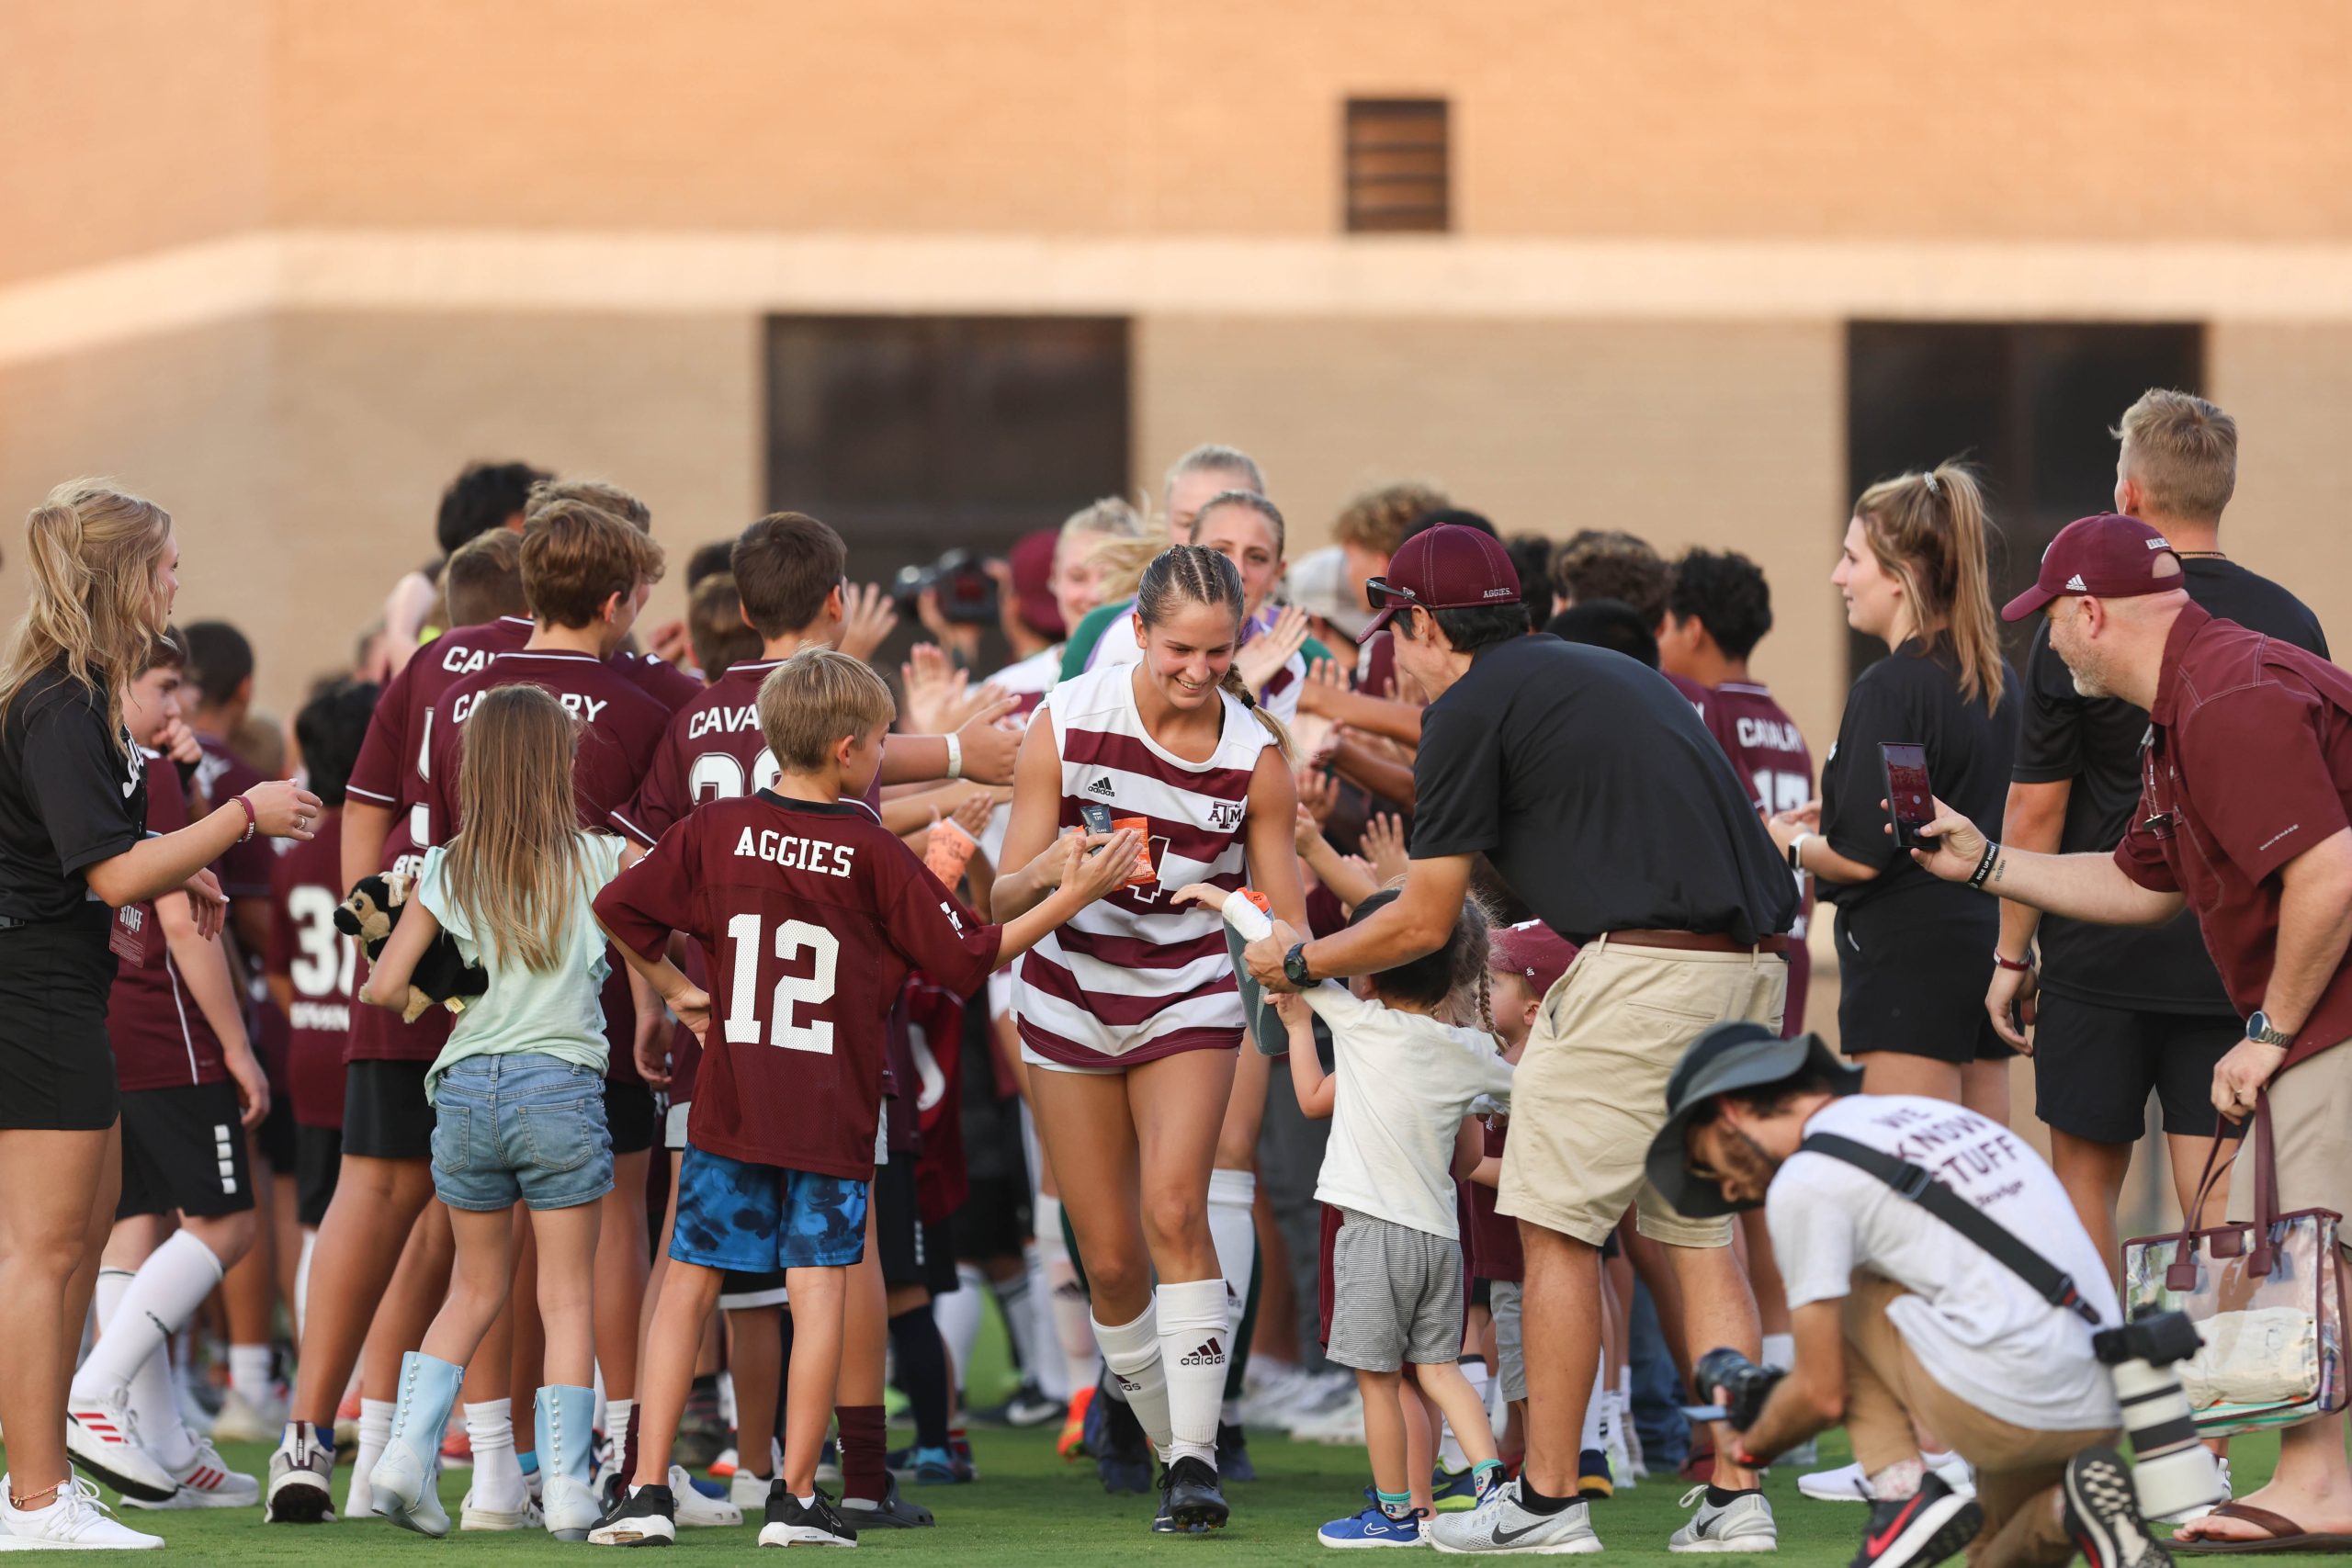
(1338, 1426)
(241, 1421)
(697, 1510)
(747, 1490)
(1502, 1526)
(526, 1517)
(1744, 1524)
(102, 1435)
(74, 1521)
(1847, 1484)
(206, 1481)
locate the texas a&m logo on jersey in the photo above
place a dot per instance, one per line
(1224, 815)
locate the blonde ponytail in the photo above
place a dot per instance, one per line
(1932, 532)
(95, 554)
(1231, 681)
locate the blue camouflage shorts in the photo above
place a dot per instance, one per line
(754, 1218)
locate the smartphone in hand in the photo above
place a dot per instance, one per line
(1910, 799)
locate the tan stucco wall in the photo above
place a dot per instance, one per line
(2291, 390)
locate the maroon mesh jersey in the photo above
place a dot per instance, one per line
(712, 750)
(159, 1034)
(1772, 758)
(810, 916)
(388, 771)
(659, 679)
(321, 964)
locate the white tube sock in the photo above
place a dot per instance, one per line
(727, 1398)
(1595, 1436)
(150, 1393)
(1195, 1329)
(249, 1374)
(1234, 1231)
(375, 1431)
(1449, 1453)
(498, 1482)
(617, 1417)
(1020, 1323)
(1780, 1351)
(162, 1296)
(957, 1313)
(1069, 1318)
(1132, 1352)
(302, 1282)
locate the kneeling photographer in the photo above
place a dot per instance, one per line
(1899, 1318)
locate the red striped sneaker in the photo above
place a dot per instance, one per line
(103, 1437)
(206, 1482)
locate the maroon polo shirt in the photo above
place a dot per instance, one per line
(2247, 765)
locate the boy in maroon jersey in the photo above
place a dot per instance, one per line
(1718, 608)
(191, 1088)
(660, 679)
(810, 914)
(310, 964)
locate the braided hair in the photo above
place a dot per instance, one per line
(1194, 574)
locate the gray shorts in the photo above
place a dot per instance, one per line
(1396, 1295)
(1510, 1346)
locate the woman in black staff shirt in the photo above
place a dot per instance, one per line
(1911, 950)
(74, 862)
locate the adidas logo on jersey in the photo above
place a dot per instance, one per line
(1209, 1355)
(1102, 786)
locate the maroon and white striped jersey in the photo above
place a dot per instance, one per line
(1131, 978)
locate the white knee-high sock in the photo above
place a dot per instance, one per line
(957, 1313)
(498, 1481)
(302, 1281)
(1044, 1352)
(150, 1393)
(1450, 1452)
(1195, 1330)
(162, 1296)
(1132, 1352)
(1020, 1324)
(1069, 1320)
(1596, 1410)
(375, 1431)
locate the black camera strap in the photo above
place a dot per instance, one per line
(2046, 1279)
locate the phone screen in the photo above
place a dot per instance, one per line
(1909, 797)
(1096, 817)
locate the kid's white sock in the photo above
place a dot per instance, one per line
(1195, 1327)
(1450, 1452)
(375, 1431)
(249, 1374)
(1132, 1352)
(1596, 1410)
(498, 1483)
(957, 1313)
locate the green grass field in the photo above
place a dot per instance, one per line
(1030, 1508)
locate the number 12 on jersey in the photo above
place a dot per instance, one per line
(814, 988)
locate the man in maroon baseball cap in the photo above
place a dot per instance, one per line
(1445, 568)
(2106, 556)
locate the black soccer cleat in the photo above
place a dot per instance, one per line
(648, 1516)
(1919, 1531)
(1122, 1452)
(789, 1524)
(1233, 1460)
(1189, 1501)
(2103, 1514)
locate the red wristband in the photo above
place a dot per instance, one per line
(2014, 965)
(252, 822)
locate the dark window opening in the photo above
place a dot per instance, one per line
(2028, 405)
(1397, 166)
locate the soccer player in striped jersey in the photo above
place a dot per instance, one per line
(1131, 1015)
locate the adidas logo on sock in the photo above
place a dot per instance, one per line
(1209, 1355)
(1102, 786)
(1127, 1384)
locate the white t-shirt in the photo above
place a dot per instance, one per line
(1405, 1082)
(1976, 1327)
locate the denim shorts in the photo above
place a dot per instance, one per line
(523, 1126)
(755, 1218)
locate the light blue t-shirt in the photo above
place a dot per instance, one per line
(556, 1013)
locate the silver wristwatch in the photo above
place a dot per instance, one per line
(2258, 1029)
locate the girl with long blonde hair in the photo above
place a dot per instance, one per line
(74, 864)
(518, 1093)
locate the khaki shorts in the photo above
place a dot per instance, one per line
(1589, 1093)
(2310, 1129)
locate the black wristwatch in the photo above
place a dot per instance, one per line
(1295, 967)
(2258, 1029)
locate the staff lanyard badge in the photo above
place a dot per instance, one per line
(127, 935)
(2158, 783)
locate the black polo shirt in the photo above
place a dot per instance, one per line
(2093, 743)
(1597, 794)
(70, 796)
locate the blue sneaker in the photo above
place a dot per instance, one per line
(1454, 1491)
(1371, 1528)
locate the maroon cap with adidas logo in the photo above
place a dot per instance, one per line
(1445, 568)
(2108, 556)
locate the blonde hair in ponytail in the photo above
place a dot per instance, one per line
(1931, 531)
(1194, 574)
(96, 554)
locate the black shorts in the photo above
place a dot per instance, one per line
(385, 1113)
(2093, 1067)
(995, 1218)
(631, 1117)
(275, 1135)
(56, 1068)
(318, 1160)
(1912, 979)
(183, 1149)
(912, 1253)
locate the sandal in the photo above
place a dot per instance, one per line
(2285, 1535)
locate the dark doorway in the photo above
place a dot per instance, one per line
(2028, 404)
